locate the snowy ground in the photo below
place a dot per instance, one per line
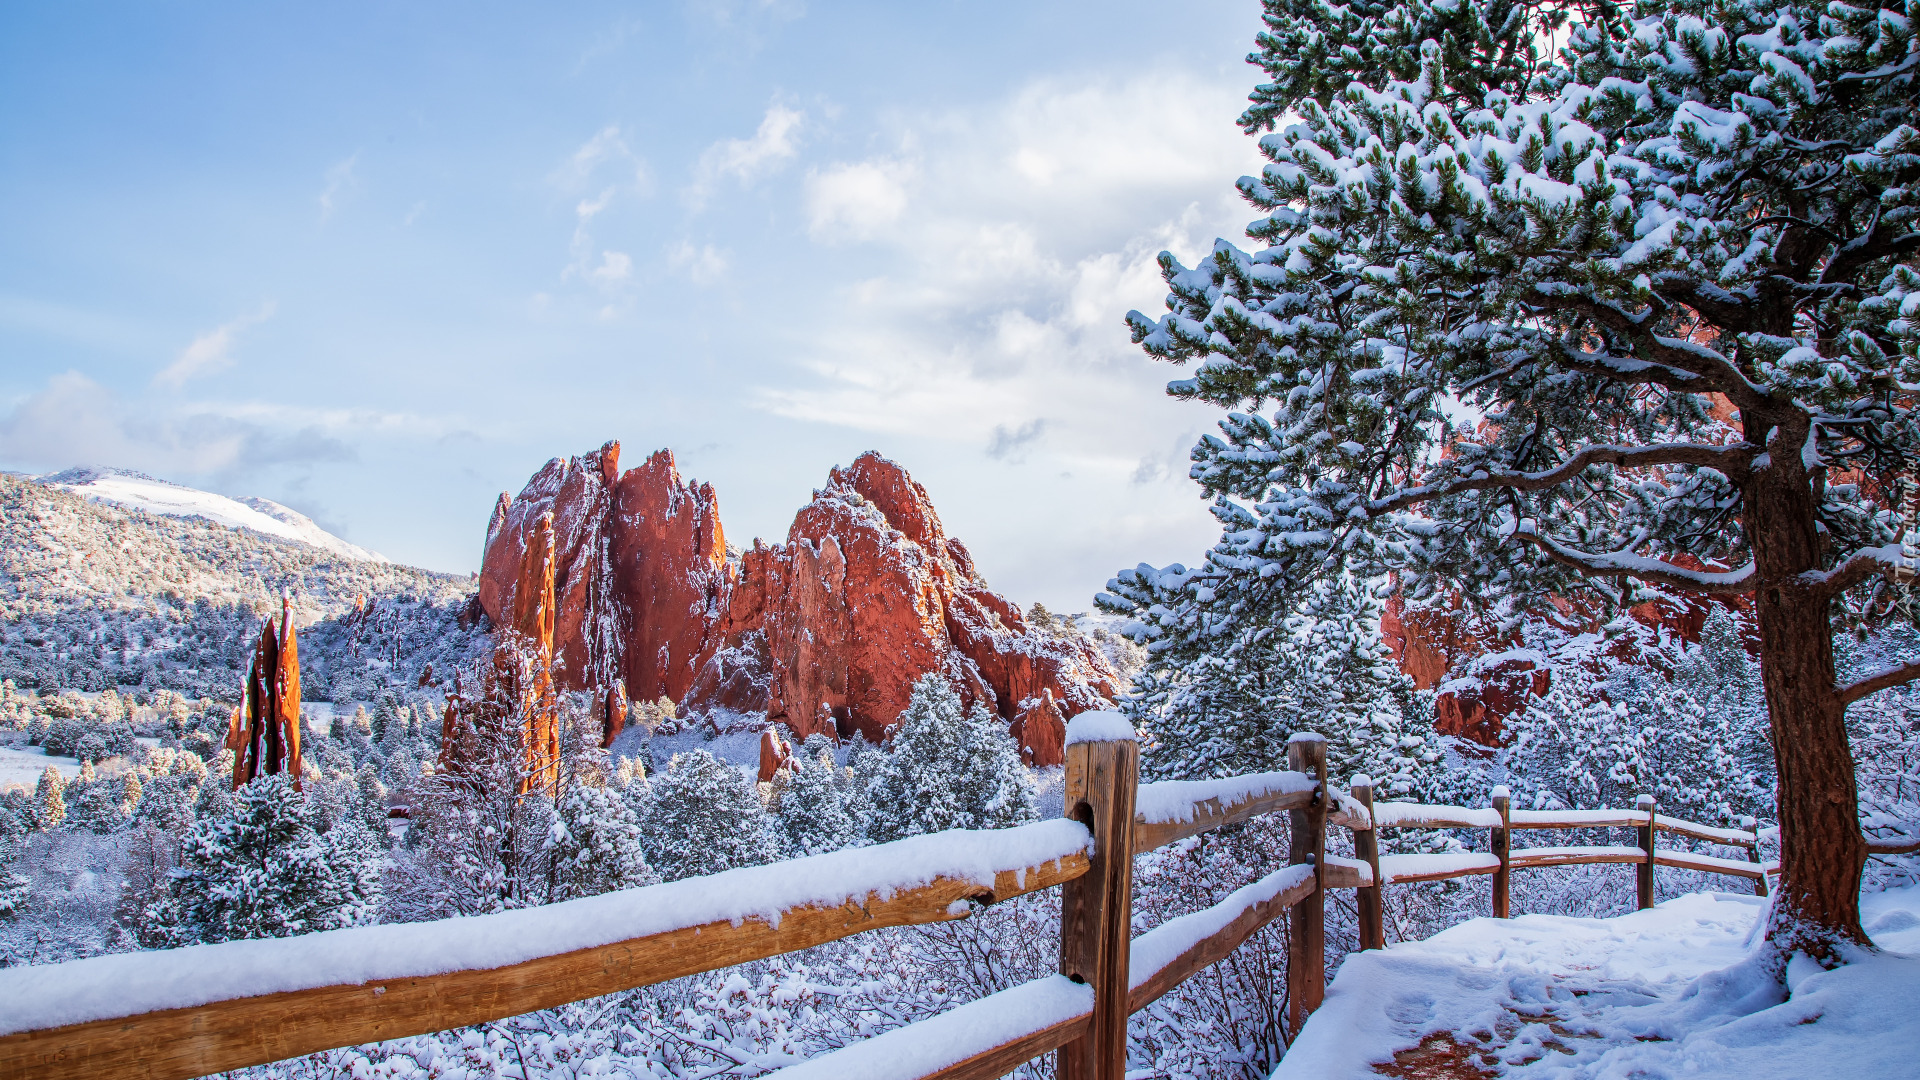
(21, 766)
(1659, 993)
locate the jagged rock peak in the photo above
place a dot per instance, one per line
(825, 633)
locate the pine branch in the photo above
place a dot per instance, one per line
(1715, 371)
(1887, 560)
(1642, 568)
(1732, 459)
(1894, 676)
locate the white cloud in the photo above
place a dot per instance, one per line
(1012, 444)
(776, 140)
(77, 421)
(211, 351)
(616, 268)
(855, 200)
(1005, 296)
(606, 153)
(704, 265)
(339, 181)
(990, 290)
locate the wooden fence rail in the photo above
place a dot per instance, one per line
(255, 1002)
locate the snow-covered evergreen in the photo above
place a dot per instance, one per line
(262, 870)
(1226, 705)
(811, 811)
(946, 768)
(704, 816)
(596, 843)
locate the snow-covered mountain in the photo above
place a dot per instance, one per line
(124, 487)
(110, 579)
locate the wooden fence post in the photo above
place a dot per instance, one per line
(1645, 868)
(1096, 911)
(1752, 825)
(1307, 944)
(1501, 842)
(1366, 844)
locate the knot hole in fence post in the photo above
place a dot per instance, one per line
(1096, 910)
(1307, 941)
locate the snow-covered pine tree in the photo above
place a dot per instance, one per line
(947, 768)
(132, 791)
(596, 844)
(705, 816)
(14, 888)
(1349, 689)
(1230, 704)
(261, 870)
(1672, 725)
(1639, 312)
(49, 800)
(92, 805)
(810, 809)
(370, 798)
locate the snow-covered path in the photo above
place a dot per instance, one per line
(1659, 993)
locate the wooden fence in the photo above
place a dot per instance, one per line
(1105, 973)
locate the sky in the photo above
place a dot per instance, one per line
(379, 262)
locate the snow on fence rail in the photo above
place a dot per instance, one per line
(190, 1011)
(184, 1012)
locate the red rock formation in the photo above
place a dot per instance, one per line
(264, 731)
(512, 725)
(825, 633)
(774, 754)
(1484, 678)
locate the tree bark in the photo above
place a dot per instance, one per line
(1822, 851)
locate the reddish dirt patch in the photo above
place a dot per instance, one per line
(1439, 1057)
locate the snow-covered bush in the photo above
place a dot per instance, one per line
(704, 816)
(810, 802)
(262, 870)
(946, 768)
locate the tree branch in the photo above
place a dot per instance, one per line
(1888, 559)
(1642, 568)
(1733, 459)
(1882, 680)
(1676, 353)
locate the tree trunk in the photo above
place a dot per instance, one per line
(1822, 851)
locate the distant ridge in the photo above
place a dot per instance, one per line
(126, 487)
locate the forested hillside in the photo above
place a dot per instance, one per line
(94, 595)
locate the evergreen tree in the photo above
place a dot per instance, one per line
(705, 816)
(166, 803)
(947, 768)
(132, 792)
(1607, 732)
(597, 845)
(1349, 689)
(370, 799)
(261, 870)
(1666, 274)
(49, 800)
(1231, 705)
(93, 806)
(15, 889)
(810, 804)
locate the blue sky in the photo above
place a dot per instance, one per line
(380, 261)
